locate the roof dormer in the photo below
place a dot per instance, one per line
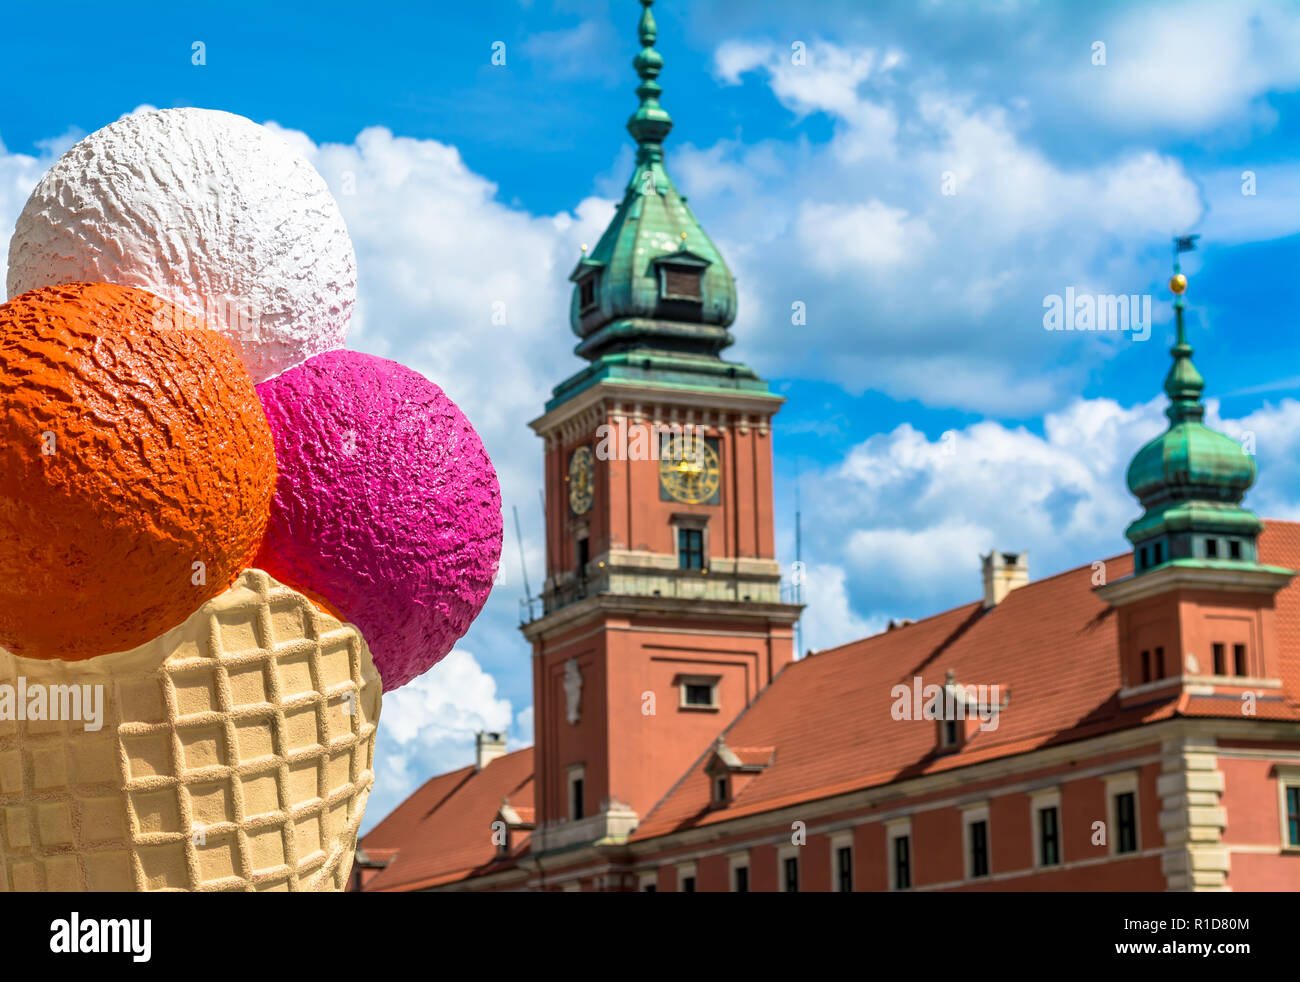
(963, 710)
(730, 769)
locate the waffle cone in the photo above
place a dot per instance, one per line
(236, 753)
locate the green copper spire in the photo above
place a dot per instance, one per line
(651, 122)
(1190, 479)
(1183, 384)
(653, 299)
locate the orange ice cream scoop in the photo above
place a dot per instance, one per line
(136, 469)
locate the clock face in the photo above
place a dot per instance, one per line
(582, 480)
(689, 471)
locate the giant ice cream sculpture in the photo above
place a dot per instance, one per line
(236, 529)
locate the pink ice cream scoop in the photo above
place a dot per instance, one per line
(387, 508)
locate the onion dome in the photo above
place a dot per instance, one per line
(1191, 479)
(655, 279)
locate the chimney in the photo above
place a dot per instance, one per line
(488, 747)
(1003, 572)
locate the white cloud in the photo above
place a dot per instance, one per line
(910, 290)
(578, 51)
(523, 729)
(906, 517)
(1193, 65)
(427, 727)
(868, 239)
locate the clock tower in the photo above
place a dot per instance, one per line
(661, 617)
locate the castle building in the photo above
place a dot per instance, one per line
(1133, 723)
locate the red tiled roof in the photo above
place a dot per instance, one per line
(824, 725)
(1052, 643)
(1279, 545)
(443, 832)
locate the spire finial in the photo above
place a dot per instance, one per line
(650, 123)
(1183, 384)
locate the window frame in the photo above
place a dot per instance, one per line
(1117, 785)
(712, 681)
(784, 857)
(1041, 801)
(576, 774)
(736, 863)
(971, 816)
(895, 830)
(1288, 779)
(721, 789)
(666, 265)
(690, 547)
(585, 305)
(687, 871)
(842, 840)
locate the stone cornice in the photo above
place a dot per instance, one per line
(701, 609)
(631, 394)
(1175, 576)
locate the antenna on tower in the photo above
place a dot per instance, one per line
(523, 566)
(798, 563)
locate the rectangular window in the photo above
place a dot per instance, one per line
(720, 790)
(699, 694)
(1049, 836)
(1234, 549)
(1126, 822)
(1142, 558)
(1146, 666)
(690, 548)
(688, 885)
(792, 874)
(902, 862)
(1293, 815)
(1239, 659)
(742, 879)
(576, 804)
(844, 868)
(584, 555)
(979, 848)
(681, 282)
(1160, 662)
(1219, 667)
(1211, 548)
(950, 733)
(649, 888)
(587, 292)
(1158, 553)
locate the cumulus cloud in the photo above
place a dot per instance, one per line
(428, 726)
(924, 236)
(1192, 66)
(905, 517)
(897, 527)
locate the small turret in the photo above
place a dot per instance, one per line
(1190, 479)
(653, 299)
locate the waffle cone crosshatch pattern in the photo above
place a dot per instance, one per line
(236, 753)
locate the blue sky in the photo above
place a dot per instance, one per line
(821, 182)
